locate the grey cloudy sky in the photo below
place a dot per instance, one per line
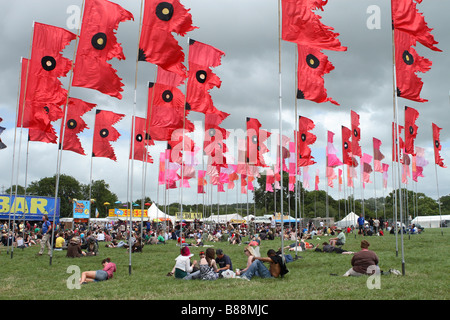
(247, 31)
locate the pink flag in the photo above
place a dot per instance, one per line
(366, 168)
(317, 180)
(333, 160)
(385, 174)
(306, 177)
(377, 155)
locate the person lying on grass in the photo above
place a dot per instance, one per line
(99, 275)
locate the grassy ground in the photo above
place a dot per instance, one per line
(29, 277)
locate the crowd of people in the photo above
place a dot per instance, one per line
(82, 240)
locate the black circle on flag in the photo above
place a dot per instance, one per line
(48, 63)
(212, 132)
(407, 58)
(71, 124)
(139, 137)
(411, 129)
(99, 40)
(255, 139)
(104, 133)
(312, 61)
(303, 137)
(167, 96)
(47, 110)
(436, 143)
(201, 76)
(345, 145)
(164, 11)
(355, 133)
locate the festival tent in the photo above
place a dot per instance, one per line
(154, 213)
(224, 218)
(431, 221)
(349, 220)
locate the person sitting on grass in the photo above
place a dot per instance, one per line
(276, 269)
(339, 240)
(362, 260)
(99, 275)
(326, 247)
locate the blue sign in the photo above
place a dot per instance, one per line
(28, 208)
(81, 209)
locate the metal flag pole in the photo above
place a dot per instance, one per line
(281, 127)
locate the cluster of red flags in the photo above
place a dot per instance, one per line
(301, 25)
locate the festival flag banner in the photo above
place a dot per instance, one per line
(397, 139)
(104, 133)
(411, 116)
(346, 146)
(305, 138)
(385, 174)
(377, 155)
(437, 146)
(356, 134)
(97, 45)
(157, 44)
(142, 140)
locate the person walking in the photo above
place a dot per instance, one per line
(46, 236)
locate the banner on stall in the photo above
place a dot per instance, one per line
(81, 209)
(29, 207)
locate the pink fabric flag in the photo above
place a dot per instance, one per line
(317, 180)
(377, 155)
(331, 151)
(405, 168)
(340, 179)
(270, 179)
(201, 181)
(306, 177)
(366, 168)
(385, 174)
(331, 175)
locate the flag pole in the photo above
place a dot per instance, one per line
(397, 146)
(62, 134)
(281, 128)
(439, 198)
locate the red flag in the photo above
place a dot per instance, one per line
(411, 116)
(356, 134)
(157, 44)
(377, 155)
(406, 18)
(104, 133)
(305, 138)
(75, 124)
(366, 168)
(213, 144)
(42, 136)
(346, 146)
(317, 180)
(396, 138)
(202, 58)
(437, 146)
(201, 181)
(47, 64)
(407, 64)
(141, 141)
(255, 143)
(97, 45)
(301, 25)
(312, 66)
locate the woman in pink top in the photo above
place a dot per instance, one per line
(99, 275)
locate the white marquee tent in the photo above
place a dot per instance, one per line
(224, 218)
(431, 221)
(154, 213)
(349, 220)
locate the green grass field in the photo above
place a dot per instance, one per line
(30, 277)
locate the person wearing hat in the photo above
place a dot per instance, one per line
(339, 240)
(183, 265)
(223, 261)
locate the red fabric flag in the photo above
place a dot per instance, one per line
(157, 44)
(406, 18)
(214, 145)
(411, 115)
(202, 58)
(75, 125)
(346, 146)
(317, 180)
(97, 45)
(396, 138)
(201, 181)
(255, 143)
(179, 144)
(356, 134)
(437, 146)
(366, 168)
(305, 138)
(104, 133)
(47, 64)
(141, 141)
(166, 112)
(301, 25)
(43, 136)
(407, 64)
(377, 155)
(312, 66)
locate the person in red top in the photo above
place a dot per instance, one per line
(99, 275)
(364, 262)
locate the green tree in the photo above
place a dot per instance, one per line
(68, 189)
(100, 193)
